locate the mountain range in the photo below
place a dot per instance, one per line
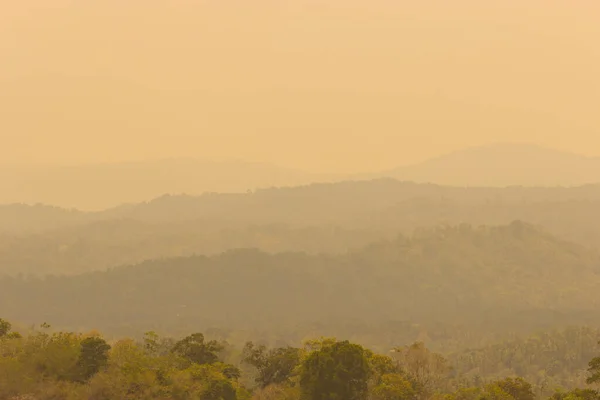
(486, 275)
(505, 164)
(100, 186)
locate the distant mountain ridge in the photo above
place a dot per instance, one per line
(348, 203)
(504, 164)
(318, 218)
(102, 186)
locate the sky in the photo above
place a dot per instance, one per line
(321, 85)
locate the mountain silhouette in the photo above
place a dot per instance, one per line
(504, 164)
(100, 186)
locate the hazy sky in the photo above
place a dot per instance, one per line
(322, 85)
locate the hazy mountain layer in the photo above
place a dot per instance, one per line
(504, 165)
(100, 186)
(488, 275)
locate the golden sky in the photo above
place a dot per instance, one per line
(321, 85)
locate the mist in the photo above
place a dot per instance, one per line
(299, 200)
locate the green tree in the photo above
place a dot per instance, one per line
(594, 370)
(5, 327)
(93, 356)
(339, 371)
(576, 394)
(215, 385)
(195, 349)
(518, 388)
(275, 366)
(393, 387)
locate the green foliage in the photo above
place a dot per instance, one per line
(576, 394)
(5, 327)
(93, 356)
(594, 370)
(517, 388)
(339, 371)
(393, 387)
(195, 349)
(275, 366)
(67, 366)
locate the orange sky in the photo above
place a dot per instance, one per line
(322, 85)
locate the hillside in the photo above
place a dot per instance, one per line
(24, 218)
(318, 218)
(335, 202)
(504, 164)
(104, 244)
(492, 276)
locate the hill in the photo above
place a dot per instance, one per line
(318, 218)
(505, 164)
(335, 202)
(507, 276)
(105, 244)
(100, 186)
(24, 218)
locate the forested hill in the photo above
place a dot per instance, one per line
(340, 202)
(485, 275)
(319, 218)
(337, 202)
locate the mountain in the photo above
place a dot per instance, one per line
(505, 164)
(461, 274)
(100, 245)
(318, 218)
(24, 218)
(334, 202)
(100, 186)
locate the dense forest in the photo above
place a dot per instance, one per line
(44, 364)
(489, 276)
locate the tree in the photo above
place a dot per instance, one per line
(577, 394)
(339, 371)
(215, 385)
(594, 370)
(196, 350)
(393, 387)
(93, 356)
(382, 365)
(5, 327)
(425, 368)
(275, 366)
(517, 388)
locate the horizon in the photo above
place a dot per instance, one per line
(500, 145)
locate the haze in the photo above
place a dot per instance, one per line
(299, 199)
(336, 86)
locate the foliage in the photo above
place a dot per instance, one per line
(195, 349)
(339, 371)
(5, 327)
(93, 356)
(594, 369)
(426, 369)
(45, 365)
(275, 366)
